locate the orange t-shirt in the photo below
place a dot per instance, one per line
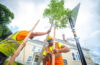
(21, 35)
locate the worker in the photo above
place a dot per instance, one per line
(12, 42)
(59, 48)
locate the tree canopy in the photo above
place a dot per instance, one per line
(5, 18)
(58, 13)
(4, 31)
(5, 15)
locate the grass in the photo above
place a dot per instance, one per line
(14, 63)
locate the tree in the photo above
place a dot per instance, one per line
(5, 15)
(5, 18)
(58, 13)
(4, 32)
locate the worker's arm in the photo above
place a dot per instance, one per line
(63, 49)
(39, 33)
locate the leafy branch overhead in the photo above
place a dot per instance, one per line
(5, 15)
(58, 13)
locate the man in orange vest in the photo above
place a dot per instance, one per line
(59, 48)
(12, 42)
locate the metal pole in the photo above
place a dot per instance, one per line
(77, 43)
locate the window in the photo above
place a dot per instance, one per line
(39, 50)
(73, 55)
(33, 49)
(36, 58)
(76, 56)
(29, 60)
(65, 62)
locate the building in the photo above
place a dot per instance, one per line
(97, 63)
(29, 55)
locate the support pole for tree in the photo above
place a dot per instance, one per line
(77, 43)
(53, 55)
(24, 55)
(22, 45)
(41, 54)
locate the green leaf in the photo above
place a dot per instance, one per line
(5, 15)
(58, 13)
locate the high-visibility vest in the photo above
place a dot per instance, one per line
(58, 57)
(10, 44)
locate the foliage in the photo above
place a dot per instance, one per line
(14, 63)
(4, 31)
(5, 18)
(5, 15)
(57, 13)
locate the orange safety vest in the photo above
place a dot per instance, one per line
(58, 57)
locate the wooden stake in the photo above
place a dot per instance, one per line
(22, 45)
(41, 54)
(24, 55)
(53, 55)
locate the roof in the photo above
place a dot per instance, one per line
(59, 40)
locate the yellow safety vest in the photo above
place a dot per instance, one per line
(10, 44)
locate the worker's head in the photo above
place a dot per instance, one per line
(50, 40)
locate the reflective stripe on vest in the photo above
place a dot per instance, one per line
(58, 55)
(10, 38)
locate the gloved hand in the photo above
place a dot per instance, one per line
(55, 51)
(49, 31)
(48, 56)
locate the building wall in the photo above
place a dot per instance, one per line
(28, 51)
(88, 58)
(33, 48)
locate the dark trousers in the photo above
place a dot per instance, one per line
(2, 58)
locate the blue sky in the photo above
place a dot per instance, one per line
(27, 12)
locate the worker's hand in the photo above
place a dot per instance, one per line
(55, 51)
(24, 44)
(49, 31)
(48, 55)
